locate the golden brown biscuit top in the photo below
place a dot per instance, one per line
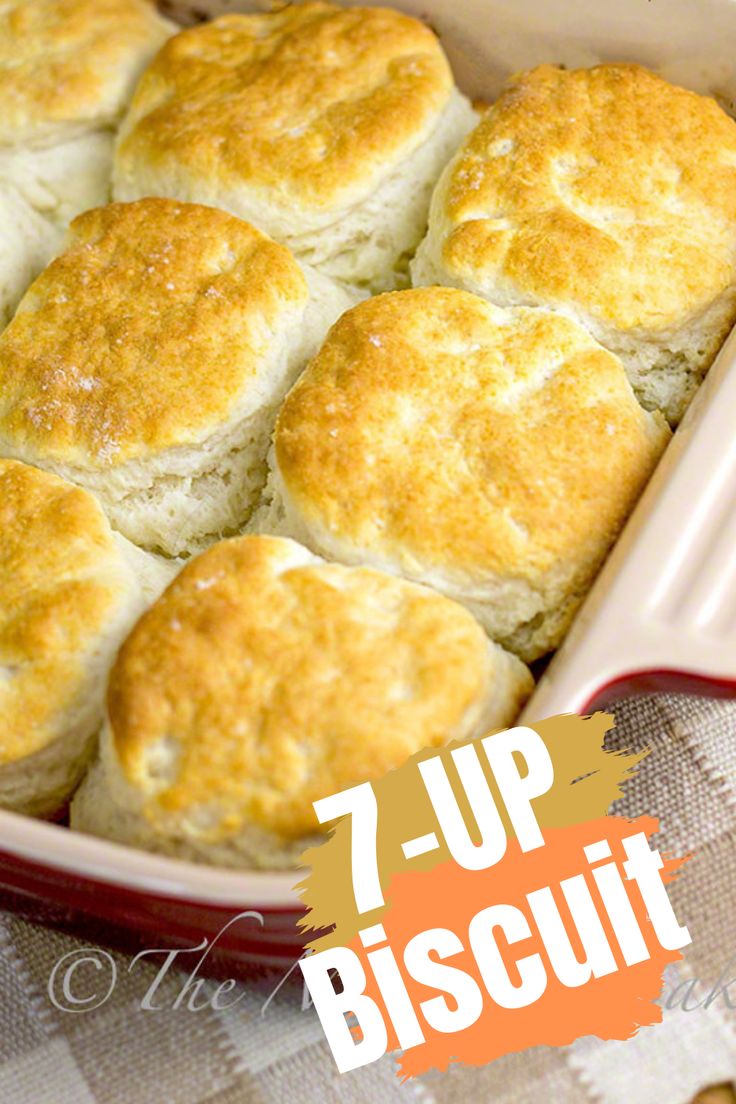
(608, 189)
(62, 585)
(307, 105)
(67, 62)
(435, 430)
(145, 333)
(264, 679)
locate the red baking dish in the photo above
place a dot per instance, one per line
(662, 614)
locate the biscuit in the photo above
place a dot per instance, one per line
(264, 679)
(607, 194)
(67, 71)
(326, 128)
(491, 453)
(27, 241)
(69, 591)
(147, 361)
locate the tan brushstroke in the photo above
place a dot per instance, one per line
(587, 779)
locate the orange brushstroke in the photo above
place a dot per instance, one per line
(611, 1007)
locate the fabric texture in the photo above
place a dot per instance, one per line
(268, 1050)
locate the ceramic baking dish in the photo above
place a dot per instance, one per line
(662, 613)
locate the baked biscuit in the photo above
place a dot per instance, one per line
(264, 679)
(607, 194)
(27, 240)
(69, 591)
(493, 454)
(147, 361)
(326, 128)
(67, 70)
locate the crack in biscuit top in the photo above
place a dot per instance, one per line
(434, 430)
(264, 679)
(312, 105)
(148, 332)
(62, 581)
(607, 189)
(67, 62)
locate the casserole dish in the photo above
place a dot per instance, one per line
(662, 614)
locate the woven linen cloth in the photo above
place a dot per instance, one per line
(269, 1049)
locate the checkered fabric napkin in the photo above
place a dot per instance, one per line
(268, 1051)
